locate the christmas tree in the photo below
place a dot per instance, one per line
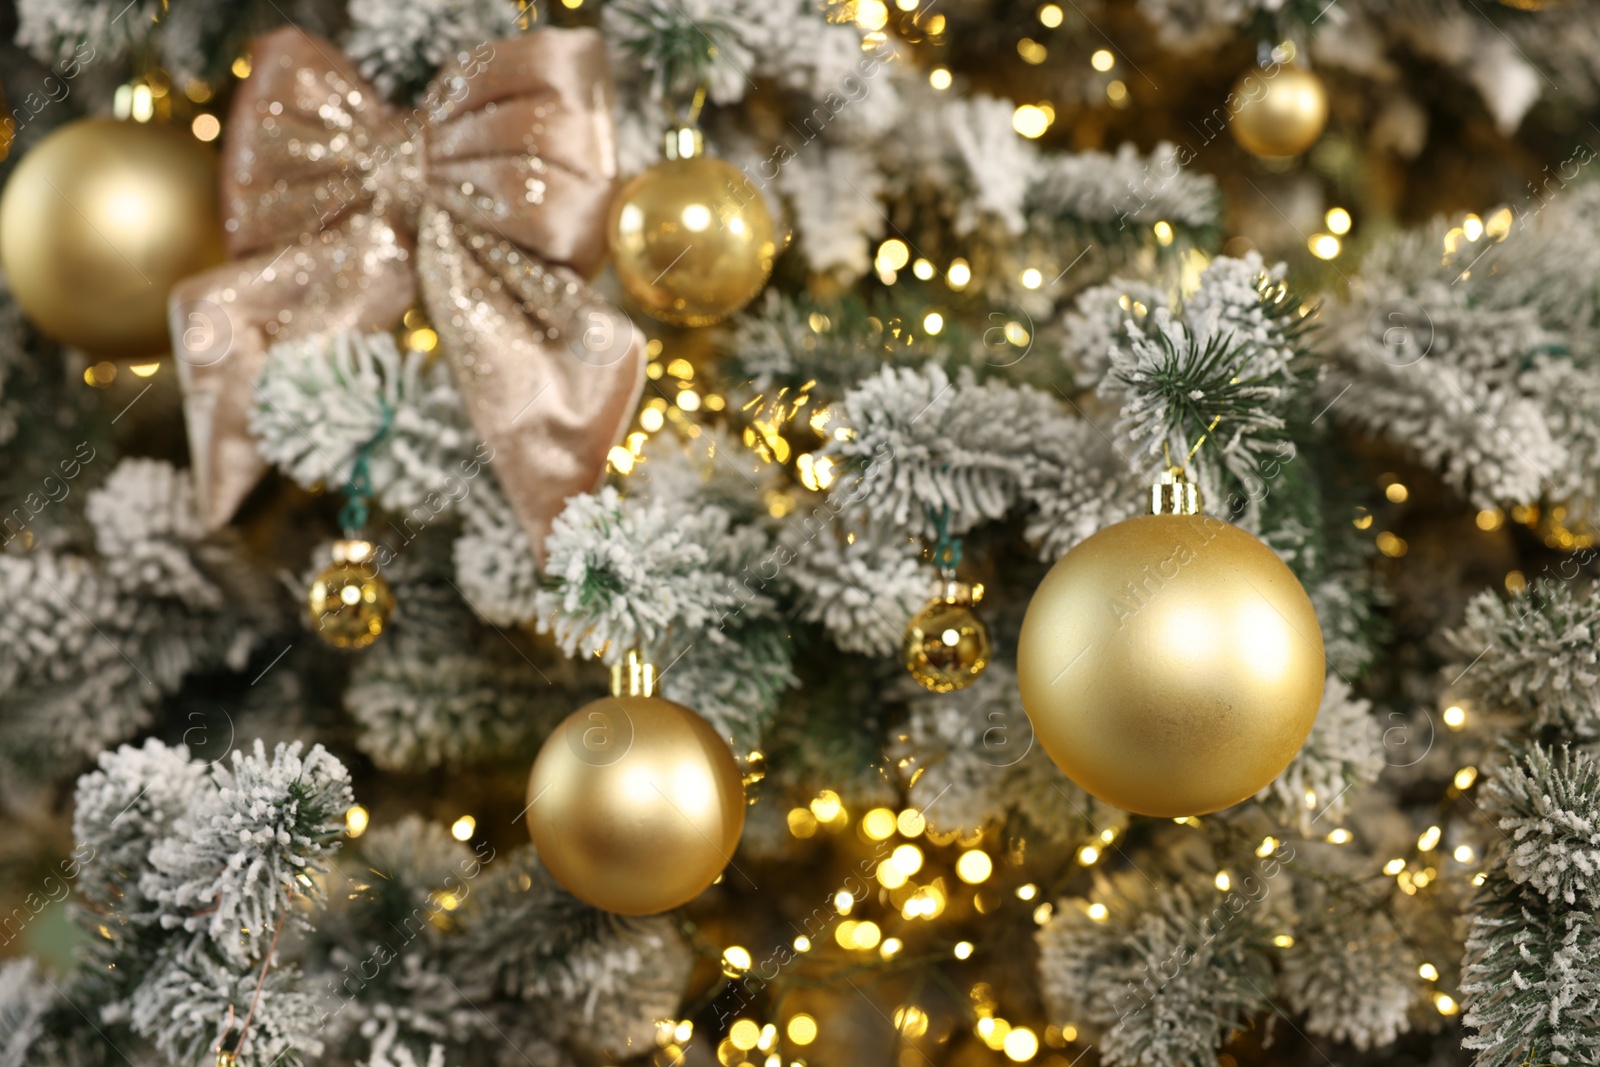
(1085, 513)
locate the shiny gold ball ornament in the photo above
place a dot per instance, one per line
(1171, 664)
(349, 601)
(691, 238)
(635, 804)
(1277, 114)
(98, 221)
(946, 645)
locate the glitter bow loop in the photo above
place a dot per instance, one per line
(487, 202)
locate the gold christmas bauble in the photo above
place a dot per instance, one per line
(349, 601)
(635, 804)
(946, 645)
(691, 238)
(1171, 665)
(1280, 114)
(98, 221)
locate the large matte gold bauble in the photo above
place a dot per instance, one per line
(1171, 665)
(1279, 114)
(946, 645)
(349, 601)
(691, 240)
(635, 804)
(96, 224)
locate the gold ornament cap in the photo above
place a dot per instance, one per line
(1174, 494)
(951, 591)
(352, 550)
(633, 677)
(684, 142)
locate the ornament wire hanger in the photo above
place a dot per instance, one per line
(358, 487)
(946, 550)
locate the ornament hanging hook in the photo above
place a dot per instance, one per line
(358, 487)
(947, 549)
(1197, 444)
(226, 1057)
(697, 104)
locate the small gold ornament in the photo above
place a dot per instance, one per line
(1279, 114)
(946, 645)
(1171, 664)
(98, 221)
(691, 238)
(635, 804)
(349, 601)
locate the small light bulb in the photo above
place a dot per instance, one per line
(974, 866)
(802, 1029)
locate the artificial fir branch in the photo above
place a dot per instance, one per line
(1548, 805)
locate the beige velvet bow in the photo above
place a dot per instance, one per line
(488, 201)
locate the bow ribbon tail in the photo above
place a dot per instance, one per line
(549, 371)
(224, 320)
